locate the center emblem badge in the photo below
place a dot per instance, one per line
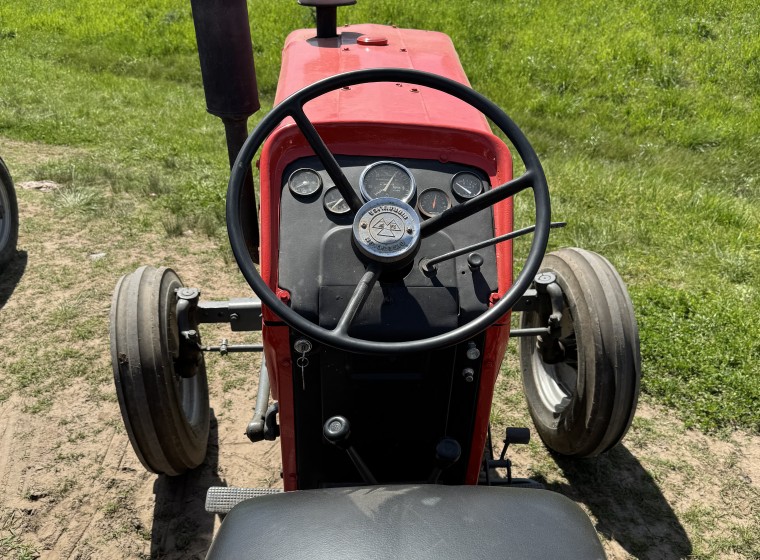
(386, 230)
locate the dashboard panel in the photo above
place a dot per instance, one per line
(320, 268)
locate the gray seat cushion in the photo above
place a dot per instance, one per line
(408, 522)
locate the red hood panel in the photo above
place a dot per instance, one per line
(306, 60)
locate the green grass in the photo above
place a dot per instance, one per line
(645, 114)
(13, 547)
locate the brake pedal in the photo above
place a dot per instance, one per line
(221, 499)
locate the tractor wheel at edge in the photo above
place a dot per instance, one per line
(584, 404)
(165, 414)
(8, 216)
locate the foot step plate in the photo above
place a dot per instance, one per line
(221, 499)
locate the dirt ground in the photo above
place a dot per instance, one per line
(72, 488)
(78, 491)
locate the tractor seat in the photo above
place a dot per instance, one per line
(408, 522)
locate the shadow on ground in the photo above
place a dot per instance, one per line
(181, 526)
(627, 502)
(10, 276)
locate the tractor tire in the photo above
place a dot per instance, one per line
(165, 414)
(8, 216)
(583, 404)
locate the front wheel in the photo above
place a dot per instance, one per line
(582, 399)
(160, 384)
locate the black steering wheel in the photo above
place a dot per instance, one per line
(338, 337)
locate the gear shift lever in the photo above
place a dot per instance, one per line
(337, 431)
(447, 452)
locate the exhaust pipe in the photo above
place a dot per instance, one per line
(229, 82)
(327, 15)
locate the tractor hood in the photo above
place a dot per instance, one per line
(307, 59)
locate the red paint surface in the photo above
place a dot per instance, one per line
(385, 120)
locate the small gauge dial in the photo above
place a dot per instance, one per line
(387, 178)
(334, 202)
(304, 182)
(433, 202)
(466, 185)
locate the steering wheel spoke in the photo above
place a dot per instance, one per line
(475, 205)
(360, 295)
(326, 157)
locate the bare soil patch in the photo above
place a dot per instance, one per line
(42, 186)
(26, 155)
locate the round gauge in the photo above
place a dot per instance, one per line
(304, 182)
(466, 185)
(433, 202)
(334, 202)
(387, 179)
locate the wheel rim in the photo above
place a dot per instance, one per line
(188, 389)
(189, 397)
(557, 384)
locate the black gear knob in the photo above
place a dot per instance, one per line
(337, 430)
(447, 452)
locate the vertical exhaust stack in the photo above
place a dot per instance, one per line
(229, 81)
(327, 15)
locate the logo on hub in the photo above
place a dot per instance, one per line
(385, 228)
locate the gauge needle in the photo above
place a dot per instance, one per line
(334, 205)
(389, 182)
(465, 188)
(435, 199)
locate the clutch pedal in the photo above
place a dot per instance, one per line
(221, 499)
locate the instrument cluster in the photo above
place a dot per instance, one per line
(388, 178)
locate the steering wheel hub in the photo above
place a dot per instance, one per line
(387, 230)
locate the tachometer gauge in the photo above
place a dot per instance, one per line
(466, 185)
(334, 202)
(304, 182)
(387, 178)
(433, 202)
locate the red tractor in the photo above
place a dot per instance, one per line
(384, 295)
